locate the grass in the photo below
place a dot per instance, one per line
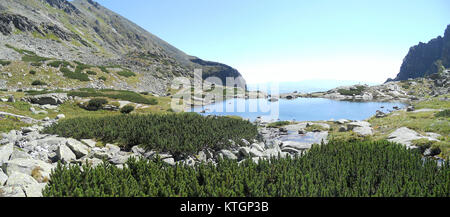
(115, 94)
(58, 63)
(358, 91)
(314, 128)
(5, 62)
(74, 75)
(9, 123)
(126, 73)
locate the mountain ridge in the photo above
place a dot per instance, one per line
(86, 32)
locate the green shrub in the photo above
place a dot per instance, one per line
(74, 75)
(127, 109)
(32, 72)
(91, 73)
(38, 82)
(114, 94)
(444, 114)
(103, 78)
(96, 104)
(34, 58)
(104, 69)
(126, 73)
(58, 63)
(5, 62)
(359, 169)
(278, 124)
(358, 91)
(179, 134)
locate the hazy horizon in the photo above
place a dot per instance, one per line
(294, 40)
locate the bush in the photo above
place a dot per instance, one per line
(74, 75)
(126, 73)
(91, 73)
(278, 124)
(179, 134)
(96, 104)
(34, 58)
(104, 69)
(358, 91)
(103, 78)
(359, 169)
(5, 62)
(114, 94)
(37, 82)
(58, 63)
(444, 114)
(33, 72)
(127, 109)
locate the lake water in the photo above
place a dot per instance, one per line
(300, 109)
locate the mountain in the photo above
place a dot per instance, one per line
(88, 33)
(426, 58)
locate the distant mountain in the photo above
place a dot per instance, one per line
(85, 31)
(426, 58)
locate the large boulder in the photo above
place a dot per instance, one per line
(48, 99)
(27, 166)
(78, 148)
(20, 179)
(363, 131)
(65, 155)
(405, 136)
(3, 177)
(12, 191)
(5, 152)
(228, 154)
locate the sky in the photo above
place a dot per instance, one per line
(294, 40)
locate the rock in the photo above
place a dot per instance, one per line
(228, 154)
(246, 143)
(12, 191)
(46, 119)
(138, 150)
(295, 145)
(201, 156)
(244, 151)
(272, 152)
(26, 166)
(343, 129)
(293, 151)
(26, 130)
(18, 154)
(94, 162)
(119, 159)
(34, 190)
(410, 108)
(404, 136)
(433, 135)
(89, 142)
(380, 114)
(112, 149)
(259, 147)
(363, 131)
(20, 179)
(301, 132)
(5, 152)
(255, 152)
(60, 116)
(353, 125)
(51, 99)
(169, 161)
(3, 177)
(65, 154)
(11, 99)
(78, 148)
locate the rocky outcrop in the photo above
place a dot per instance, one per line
(405, 136)
(47, 99)
(426, 58)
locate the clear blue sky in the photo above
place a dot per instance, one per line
(290, 40)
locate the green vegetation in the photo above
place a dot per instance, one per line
(32, 72)
(74, 75)
(278, 124)
(58, 63)
(91, 72)
(444, 114)
(103, 78)
(5, 62)
(96, 104)
(104, 69)
(359, 169)
(114, 94)
(358, 91)
(38, 82)
(21, 51)
(126, 73)
(179, 134)
(81, 66)
(127, 109)
(34, 58)
(315, 128)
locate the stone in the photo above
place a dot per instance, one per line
(78, 148)
(60, 116)
(343, 129)
(244, 151)
(5, 152)
(255, 152)
(18, 154)
(363, 131)
(380, 114)
(404, 136)
(3, 177)
(138, 150)
(34, 190)
(353, 125)
(112, 149)
(119, 159)
(169, 161)
(410, 108)
(259, 147)
(51, 99)
(20, 179)
(228, 154)
(12, 191)
(89, 142)
(26, 166)
(11, 99)
(65, 154)
(295, 145)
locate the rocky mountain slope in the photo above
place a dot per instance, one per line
(86, 32)
(426, 58)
